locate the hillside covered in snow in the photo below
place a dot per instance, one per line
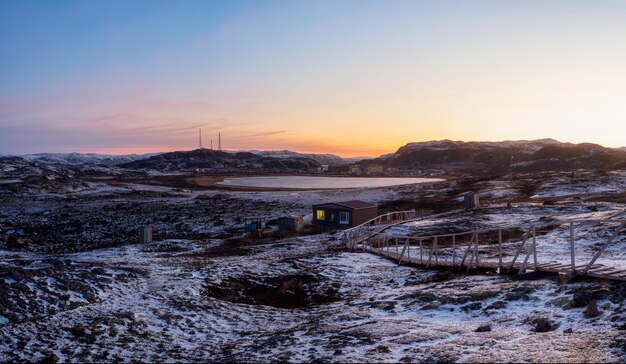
(500, 157)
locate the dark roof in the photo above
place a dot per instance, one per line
(353, 204)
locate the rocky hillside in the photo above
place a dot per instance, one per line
(493, 157)
(212, 160)
(18, 174)
(76, 159)
(327, 159)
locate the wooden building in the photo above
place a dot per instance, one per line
(254, 224)
(145, 234)
(344, 214)
(471, 200)
(291, 223)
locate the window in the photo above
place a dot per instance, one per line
(344, 217)
(320, 214)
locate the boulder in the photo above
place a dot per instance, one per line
(543, 325)
(497, 305)
(49, 358)
(584, 296)
(471, 307)
(483, 328)
(592, 309)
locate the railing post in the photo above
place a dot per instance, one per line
(408, 250)
(430, 254)
(500, 251)
(571, 248)
(467, 252)
(397, 252)
(476, 250)
(453, 251)
(524, 238)
(421, 253)
(534, 249)
(402, 254)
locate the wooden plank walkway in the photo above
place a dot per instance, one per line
(426, 252)
(597, 271)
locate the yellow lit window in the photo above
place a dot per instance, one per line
(320, 214)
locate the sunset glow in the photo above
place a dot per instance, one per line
(354, 78)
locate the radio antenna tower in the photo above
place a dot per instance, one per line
(219, 141)
(200, 137)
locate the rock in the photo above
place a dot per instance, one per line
(564, 279)
(483, 328)
(472, 306)
(592, 309)
(14, 243)
(568, 331)
(430, 306)
(383, 349)
(519, 293)
(497, 305)
(543, 325)
(585, 295)
(49, 359)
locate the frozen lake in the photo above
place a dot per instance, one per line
(313, 182)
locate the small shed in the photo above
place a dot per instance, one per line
(145, 234)
(471, 200)
(291, 223)
(343, 215)
(254, 224)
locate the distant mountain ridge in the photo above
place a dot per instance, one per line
(521, 155)
(213, 160)
(326, 159)
(114, 159)
(445, 156)
(84, 158)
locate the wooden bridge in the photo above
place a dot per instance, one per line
(483, 249)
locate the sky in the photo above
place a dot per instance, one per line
(353, 78)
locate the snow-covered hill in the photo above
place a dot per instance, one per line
(494, 157)
(84, 158)
(327, 159)
(213, 160)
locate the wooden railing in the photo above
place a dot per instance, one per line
(443, 249)
(355, 235)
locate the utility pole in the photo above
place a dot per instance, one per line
(200, 137)
(219, 141)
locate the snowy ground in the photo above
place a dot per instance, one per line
(384, 313)
(196, 296)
